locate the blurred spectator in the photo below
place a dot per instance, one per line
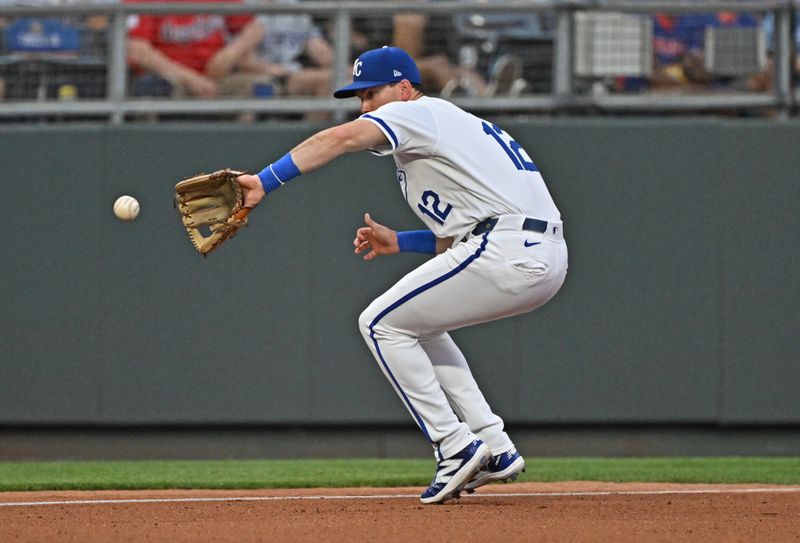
(678, 43)
(677, 48)
(51, 56)
(186, 54)
(508, 47)
(460, 53)
(290, 49)
(416, 33)
(88, 23)
(425, 38)
(287, 50)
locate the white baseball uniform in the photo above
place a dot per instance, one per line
(455, 171)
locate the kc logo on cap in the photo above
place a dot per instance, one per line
(379, 67)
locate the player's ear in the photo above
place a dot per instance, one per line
(406, 90)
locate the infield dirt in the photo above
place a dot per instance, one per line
(576, 511)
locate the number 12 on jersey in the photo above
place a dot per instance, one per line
(432, 207)
(513, 149)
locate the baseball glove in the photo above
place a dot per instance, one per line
(211, 208)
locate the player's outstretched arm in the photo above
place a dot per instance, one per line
(311, 154)
(331, 143)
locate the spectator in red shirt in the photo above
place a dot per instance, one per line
(190, 54)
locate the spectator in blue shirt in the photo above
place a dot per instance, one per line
(678, 44)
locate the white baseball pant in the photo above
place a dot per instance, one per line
(501, 273)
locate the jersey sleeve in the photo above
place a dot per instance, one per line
(142, 26)
(235, 23)
(409, 127)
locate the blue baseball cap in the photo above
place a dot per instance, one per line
(379, 67)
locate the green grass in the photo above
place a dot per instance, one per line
(377, 472)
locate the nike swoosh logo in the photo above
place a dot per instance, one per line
(531, 244)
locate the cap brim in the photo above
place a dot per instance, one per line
(350, 90)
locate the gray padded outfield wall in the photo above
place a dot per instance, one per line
(681, 303)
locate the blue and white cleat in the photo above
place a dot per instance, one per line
(502, 467)
(454, 472)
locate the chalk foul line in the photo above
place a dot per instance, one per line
(406, 496)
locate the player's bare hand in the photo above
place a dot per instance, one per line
(252, 189)
(376, 238)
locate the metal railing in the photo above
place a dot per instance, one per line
(116, 106)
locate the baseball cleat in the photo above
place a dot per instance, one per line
(502, 467)
(454, 472)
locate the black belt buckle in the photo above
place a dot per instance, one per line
(484, 226)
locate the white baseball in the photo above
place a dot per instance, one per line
(126, 208)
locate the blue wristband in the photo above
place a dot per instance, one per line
(417, 241)
(278, 173)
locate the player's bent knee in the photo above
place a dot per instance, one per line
(365, 321)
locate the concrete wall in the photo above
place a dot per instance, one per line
(681, 304)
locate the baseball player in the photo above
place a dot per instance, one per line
(497, 243)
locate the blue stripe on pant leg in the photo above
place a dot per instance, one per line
(400, 302)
